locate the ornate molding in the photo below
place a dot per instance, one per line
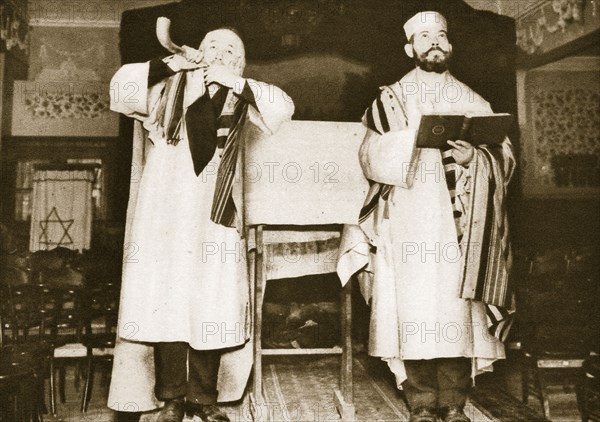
(572, 64)
(553, 23)
(89, 14)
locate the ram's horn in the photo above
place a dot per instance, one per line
(163, 27)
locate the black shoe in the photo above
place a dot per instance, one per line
(173, 411)
(211, 413)
(453, 414)
(128, 417)
(423, 414)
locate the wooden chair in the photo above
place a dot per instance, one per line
(64, 284)
(559, 326)
(100, 306)
(63, 327)
(65, 334)
(19, 386)
(588, 391)
(48, 321)
(26, 316)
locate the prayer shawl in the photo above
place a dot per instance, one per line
(169, 120)
(479, 207)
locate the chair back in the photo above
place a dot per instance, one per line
(101, 309)
(25, 313)
(557, 307)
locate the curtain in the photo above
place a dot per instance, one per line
(62, 211)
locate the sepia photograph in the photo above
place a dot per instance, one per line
(299, 210)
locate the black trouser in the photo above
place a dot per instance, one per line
(173, 380)
(437, 383)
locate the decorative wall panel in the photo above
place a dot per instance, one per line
(561, 151)
(67, 93)
(63, 109)
(74, 53)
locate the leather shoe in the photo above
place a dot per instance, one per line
(211, 413)
(128, 416)
(453, 414)
(173, 411)
(423, 414)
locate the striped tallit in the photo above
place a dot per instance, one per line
(386, 114)
(170, 118)
(223, 209)
(485, 271)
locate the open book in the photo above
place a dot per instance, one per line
(436, 129)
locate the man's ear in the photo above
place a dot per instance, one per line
(449, 48)
(408, 48)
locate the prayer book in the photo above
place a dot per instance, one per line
(436, 129)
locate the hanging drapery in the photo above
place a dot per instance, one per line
(62, 210)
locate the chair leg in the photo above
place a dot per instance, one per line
(24, 400)
(105, 376)
(28, 398)
(78, 372)
(539, 380)
(579, 394)
(346, 384)
(525, 380)
(18, 404)
(89, 381)
(52, 387)
(62, 380)
(13, 412)
(585, 400)
(38, 397)
(41, 372)
(260, 278)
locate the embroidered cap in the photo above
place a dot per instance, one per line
(422, 21)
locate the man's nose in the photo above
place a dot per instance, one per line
(435, 41)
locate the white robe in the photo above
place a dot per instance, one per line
(185, 277)
(416, 311)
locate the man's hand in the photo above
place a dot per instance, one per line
(178, 63)
(192, 55)
(462, 152)
(223, 75)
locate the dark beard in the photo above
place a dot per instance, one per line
(438, 65)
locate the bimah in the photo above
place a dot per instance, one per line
(300, 186)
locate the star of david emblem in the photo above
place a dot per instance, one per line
(53, 219)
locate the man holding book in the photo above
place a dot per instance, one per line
(435, 225)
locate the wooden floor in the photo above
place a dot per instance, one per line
(301, 389)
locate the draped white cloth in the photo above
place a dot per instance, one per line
(311, 169)
(62, 209)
